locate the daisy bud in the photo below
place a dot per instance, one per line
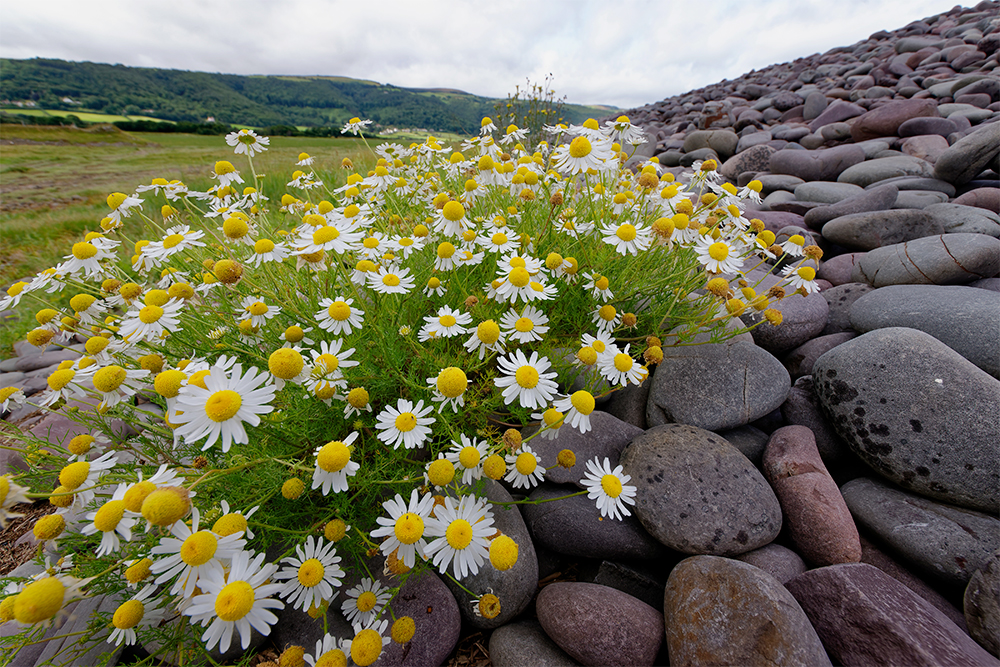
(719, 287)
(334, 530)
(292, 488)
(403, 629)
(566, 458)
(756, 225)
(494, 466)
(199, 462)
(629, 320)
(512, 439)
(556, 199)
(487, 606)
(773, 316)
(346, 163)
(735, 307)
(49, 527)
(39, 337)
(685, 207)
(228, 271)
(776, 250)
(292, 657)
(653, 355)
(471, 302)
(776, 292)
(813, 252)
(139, 571)
(166, 506)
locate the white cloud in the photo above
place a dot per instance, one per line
(625, 53)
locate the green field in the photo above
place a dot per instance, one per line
(85, 116)
(54, 182)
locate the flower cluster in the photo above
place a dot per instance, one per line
(297, 355)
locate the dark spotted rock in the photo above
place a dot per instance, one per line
(723, 612)
(698, 494)
(917, 412)
(841, 298)
(799, 361)
(982, 605)
(865, 617)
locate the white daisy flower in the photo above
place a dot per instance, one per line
(193, 555)
(374, 246)
(221, 409)
(583, 154)
(445, 257)
(248, 142)
(392, 280)
(355, 125)
(231, 523)
(794, 246)
(525, 327)
(462, 534)
(621, 130)
(312, 576)
(598, 286)
(627, 238)
(266, 250)
(718, 256)
(434, 287)
(11, 493)
(330, 360)
(607, 318)
(239, 600)
(295, 335)
(368, 642)
(133, 613)
(338, 317)
(577, 408)
(525, 468)
(334, 465)
(609, 487)
(526, 380)
(121, 205)
(11, 398)
(329, 651)
(468, 456)
(255, 310)
(551, 421)
(364, 602)
(86, 258)
(447, 323)
(81, 477)
(406, 245)
(498, 241)
(404, 424)
(112, 520)
(619, 368)
(329, 238)
(801, 277)
(404, 527)
(151, 323)
(486, 338)
(178, 239)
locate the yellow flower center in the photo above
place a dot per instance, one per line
(526, 463)
(367, 601)
(225, 166)
(459, 534)
(128, 615)
(150, 314)
(358, 397)
(524, 324)
(294, 334)
(84, 250)
(587, 355)
(339, 310)
(583, 401)
(327, 363)
(611, 485)
(139, 572)
(445, 250)
(447, 321)
(285, 363)
(258, 308)
(311, 573)
(488, 332)
(607, 313)
(625, 232)
(390, 279)
(109, 378)
(325, 234)
(49, 527)
(441, 472)
(223, 405)
(403, 629)
(503, 553)
(234, 228)
(230, 524)
(116, 199)
(39, 601)
(333, 456)
(494, 466)
(409, 528)
(199, 548)
(623, 362)
(263, 246)
(806, 272)
(82, 302)
(469, 457)
(519, 277)
(168, 383)
(136, 494)
(718, 251)
(366, 647)
(527, 377)
(499, 238)
(335, 530)
(234, 601)
(489, 606)
(173, 240)
(451, 382)
(580, 147)
(453, 211)
(73, 475)
(292, 488)
(332, 658)
(109, 515)
(166, 506)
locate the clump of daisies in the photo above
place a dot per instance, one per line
(333, 369)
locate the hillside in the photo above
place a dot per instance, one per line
(243, 100)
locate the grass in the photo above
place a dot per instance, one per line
(86, 116)
(54, 182)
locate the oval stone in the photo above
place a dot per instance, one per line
(697, 494)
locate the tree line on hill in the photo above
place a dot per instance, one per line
(260, 101)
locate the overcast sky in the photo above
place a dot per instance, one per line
(620, 52)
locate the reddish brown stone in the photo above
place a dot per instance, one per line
(818, 521)
(885, 120)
